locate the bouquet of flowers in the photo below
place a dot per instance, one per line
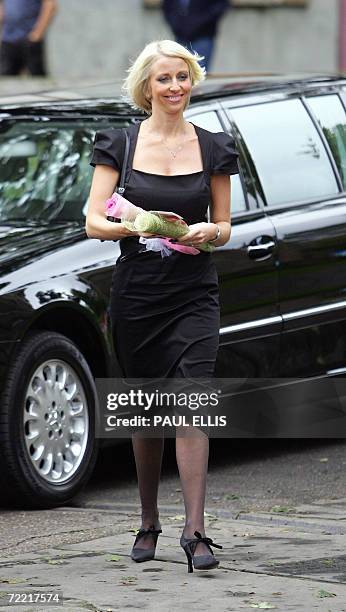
(166, 225)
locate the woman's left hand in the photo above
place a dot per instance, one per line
(198, 233)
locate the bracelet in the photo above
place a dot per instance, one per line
(217, 235)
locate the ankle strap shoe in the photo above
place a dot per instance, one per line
(145, 554)
(199, 561)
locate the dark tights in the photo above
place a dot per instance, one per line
(192, 452)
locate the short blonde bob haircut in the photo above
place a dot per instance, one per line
(136, 83)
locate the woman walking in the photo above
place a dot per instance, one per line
(165, 310)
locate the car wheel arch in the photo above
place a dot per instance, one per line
(77, 325)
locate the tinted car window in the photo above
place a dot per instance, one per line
(210, 121)
(287, 150)
(331, 116)
(44, 171)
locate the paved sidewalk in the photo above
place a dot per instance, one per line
(284, 561)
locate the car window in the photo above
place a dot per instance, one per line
(287, 150)
(331, 116)
(207, 120)
(210, 121)
(44, 170)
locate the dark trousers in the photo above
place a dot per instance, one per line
(17, 56)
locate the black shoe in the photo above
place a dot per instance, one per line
(145, 554)
(198, 561)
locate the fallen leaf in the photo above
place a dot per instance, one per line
(114, 558)
(324, 459)
(271, 562)
(240, 593)
(12, 580)
(283, 509)
(322, 593)
(128, 580)
(177, 517)
(328, 562)
(263, 605)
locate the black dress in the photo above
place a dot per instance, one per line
(165, 310)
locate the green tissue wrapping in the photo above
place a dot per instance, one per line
(155, 224)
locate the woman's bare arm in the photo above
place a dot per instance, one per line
(221, 210)
(103, 185)
(220, 215)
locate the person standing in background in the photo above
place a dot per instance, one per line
(194, 24)
(24, 25)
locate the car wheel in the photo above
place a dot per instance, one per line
(47, 423)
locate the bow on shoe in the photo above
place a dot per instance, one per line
(208, 541)
(145, 554)
(144, 532)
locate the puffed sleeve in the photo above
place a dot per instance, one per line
(225, 156)
(108, 148)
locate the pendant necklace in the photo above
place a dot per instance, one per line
(173, 152)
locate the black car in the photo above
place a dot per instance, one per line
(282, 274)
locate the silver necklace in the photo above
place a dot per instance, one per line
(173, 152)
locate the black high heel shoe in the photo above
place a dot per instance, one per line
(145, 554)
(199, 561)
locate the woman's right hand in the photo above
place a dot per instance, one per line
(97, 226)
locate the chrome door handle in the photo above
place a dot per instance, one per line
(260, 251)
(260, 247)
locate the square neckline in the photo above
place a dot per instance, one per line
(170, 175)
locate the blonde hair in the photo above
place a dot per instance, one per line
(136, 83)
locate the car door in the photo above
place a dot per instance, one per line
(299, 173)
(45, 182)
(248, 277)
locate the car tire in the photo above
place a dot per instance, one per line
(48, 447)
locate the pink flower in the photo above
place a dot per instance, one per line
(120, 208)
